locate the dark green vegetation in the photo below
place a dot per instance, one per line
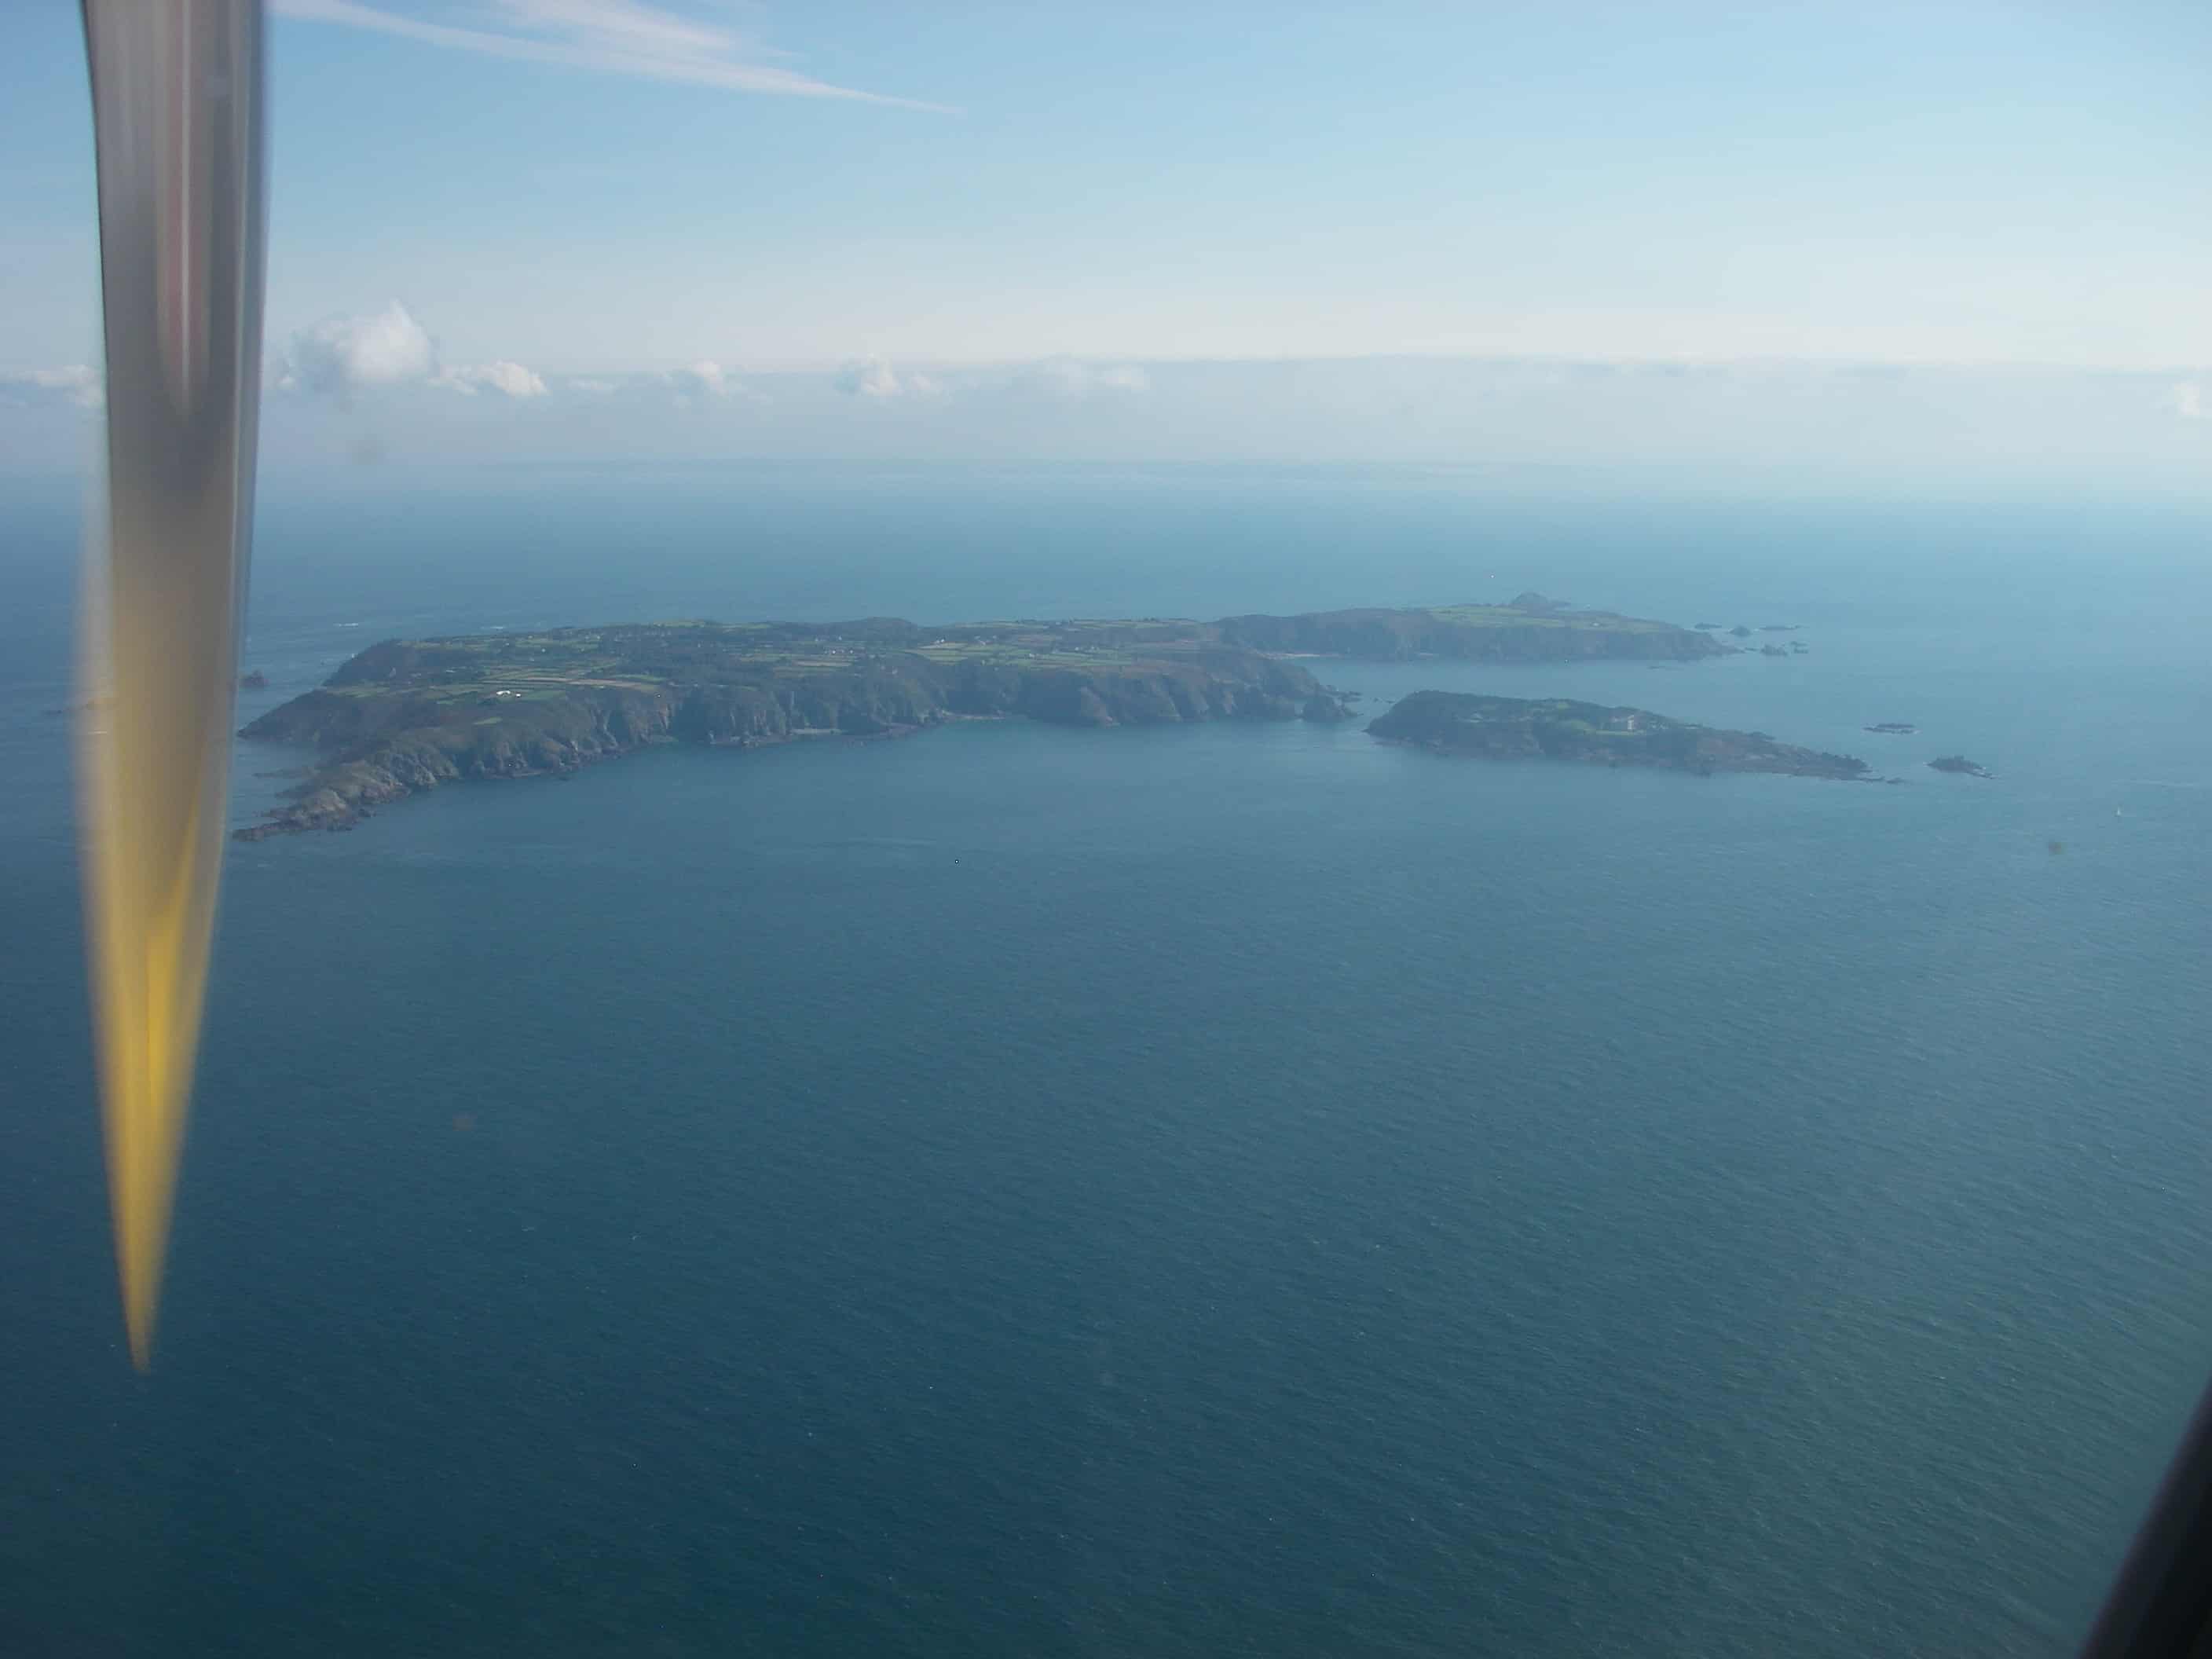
(409, 715)
(1517, 728)
(1532, 629)
(1960, 764)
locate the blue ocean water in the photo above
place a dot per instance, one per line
(1210, 1190)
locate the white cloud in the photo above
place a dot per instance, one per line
(868, 377)
(343, 354)
(616, 37)
(340, 355)
(585, 383)
(1065, 377)
(873, 378)
(704, 378)
(78, 383)
(512, 379)
(1061, 379)
(2188, 401)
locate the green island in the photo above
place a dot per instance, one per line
(1528, 628)
(1558, 728)
(407, 715)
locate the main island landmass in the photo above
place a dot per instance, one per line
(407, 715)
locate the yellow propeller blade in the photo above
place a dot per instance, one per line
(177, 93)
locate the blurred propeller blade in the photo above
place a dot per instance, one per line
(176, 95)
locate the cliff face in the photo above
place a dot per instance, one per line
(1556, 728)
(834, 701)
(1201, 684)
(405, 716)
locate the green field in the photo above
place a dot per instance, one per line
(1006, 653)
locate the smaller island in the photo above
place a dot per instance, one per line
(1961, 765)
(253, 680)
(1558, 728)
(1893, 729)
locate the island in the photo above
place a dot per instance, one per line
(406, 715)
(1558, 728)
(1893, 729)
(1961, 765)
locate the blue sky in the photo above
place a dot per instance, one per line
(541, 225)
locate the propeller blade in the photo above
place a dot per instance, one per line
(176, 95)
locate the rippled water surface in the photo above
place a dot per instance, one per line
(1207, 1190)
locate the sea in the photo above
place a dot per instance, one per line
(1224, 1189)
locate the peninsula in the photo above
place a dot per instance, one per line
(1556, 728)
(1528, 628)
(407, 715)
